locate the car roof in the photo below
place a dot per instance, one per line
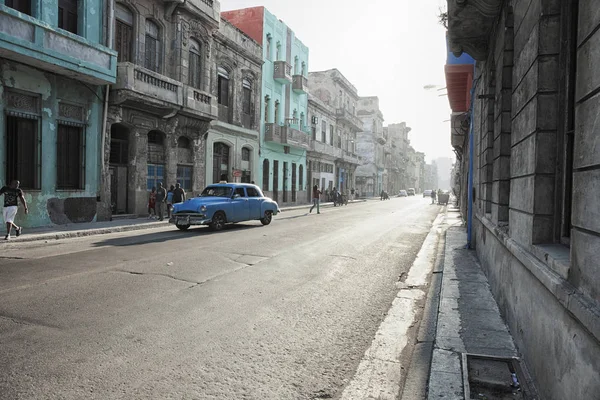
(231, 185)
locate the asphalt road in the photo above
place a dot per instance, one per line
(278, 312)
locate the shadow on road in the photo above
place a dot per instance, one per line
(170, 235)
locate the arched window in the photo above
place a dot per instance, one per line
(183, 142)
(268, 48)
(123, 33)
(223, 86)
(152, 46)
(265, 185)
(156, 159)
(195, 64)
(220, 162)
(245, 154)
(246, 165)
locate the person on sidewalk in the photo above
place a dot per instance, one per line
(170, 201)
(316, 199)
(178, 194)
(352, 194)
(12, 194)
(161, 197)
(433, 194)
(152, 203)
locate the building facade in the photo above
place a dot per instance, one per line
(335, 91)
(284, 129)
(163, 101)
(54, 65)
(398, 164)
(322, 155)
(370, 146)
(232, 142)
(529, 135)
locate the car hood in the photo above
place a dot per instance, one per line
(195, 203)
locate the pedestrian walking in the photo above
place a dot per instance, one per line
(381, 195)
(161, 197)
(178, 194)
(316, 199)
(352, 193)
(152, 203)
(12, 194)
(433, 194)
(170, 201)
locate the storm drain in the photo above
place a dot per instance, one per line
(495, 378)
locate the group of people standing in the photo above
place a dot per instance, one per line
(159, 198)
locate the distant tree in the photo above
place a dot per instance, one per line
(443, 18)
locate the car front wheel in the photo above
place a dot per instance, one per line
(266, 220)
(218, 221)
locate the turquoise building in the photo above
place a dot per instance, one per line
(284, 130)
(53, 72)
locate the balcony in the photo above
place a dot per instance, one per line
(30, 41)
(350, 157)
(322, 148)
(138, 86)
(296, 136)
(380, 137)
(300, 84)
(273, 133)
(282, 72)
(347, 117)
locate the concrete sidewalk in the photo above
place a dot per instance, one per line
(55, 232)
(469, 325)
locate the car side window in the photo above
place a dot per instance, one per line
(240, 192)
(252, 192)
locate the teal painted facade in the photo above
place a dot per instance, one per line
(284, 46)
(52, 81)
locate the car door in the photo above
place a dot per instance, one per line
(241, 205)
(255, 199)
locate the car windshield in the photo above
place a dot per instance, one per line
(216, 191)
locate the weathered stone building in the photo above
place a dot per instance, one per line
(533, 134)
(322, 155)
(232, 140)
(370, 146)
(54, 65)
(163, 101)
(397, 167)
(337, 93)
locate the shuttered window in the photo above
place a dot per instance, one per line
(67, 15)
(70, 150)
(123, 33)
(152, 47)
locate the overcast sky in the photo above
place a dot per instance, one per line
(386, 48)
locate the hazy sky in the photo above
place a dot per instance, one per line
(386, 48)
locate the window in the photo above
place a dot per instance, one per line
(303, 72)
(296, 70)
(278, 53)
(220, 162)
(247, 96)
(268, 49)
(331, 132)
(156, 149)
(67, 15)
(184, 177)
(252, 192)
(301, 177)
(265, 183)
(240, 192)
(156, 174)
(70, 151)
(23, 6)
(195, 64)
(183, 142)
(245, 154)
(22, 151)
(276, 120)
(223, 86)
(123, 33)
(267, 100)
(324, 131)
(152, 47)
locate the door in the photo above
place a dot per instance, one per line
(220, 162)
(293, 182)
(241, 206)
(285, 182)
(275, 180)
(255, 201)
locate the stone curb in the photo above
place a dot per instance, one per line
(124, 228)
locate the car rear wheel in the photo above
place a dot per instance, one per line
(266, 220)
(183, 227)
(218, 221)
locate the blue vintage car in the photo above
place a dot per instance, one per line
(220, 204)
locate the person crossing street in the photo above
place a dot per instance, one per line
(12, 194)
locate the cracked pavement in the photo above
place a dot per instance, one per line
(285, 311)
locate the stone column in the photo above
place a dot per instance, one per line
(137, 196)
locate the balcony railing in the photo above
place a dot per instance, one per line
(322, 148)
(282, 72)
(349, 118)
(296, 135)
(163, 91)
(273, 133)
(300, 84)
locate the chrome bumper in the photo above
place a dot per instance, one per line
(190, 219)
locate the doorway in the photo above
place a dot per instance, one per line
(119, 158)
(275, 180)
(220, 162)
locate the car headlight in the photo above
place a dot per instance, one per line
(203, 208)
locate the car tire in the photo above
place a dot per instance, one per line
(266, 220)
(183, 227)
(218, 221)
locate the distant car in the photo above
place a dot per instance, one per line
(220, 204)
(402, 193)
(427, 193)
(411, 191)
